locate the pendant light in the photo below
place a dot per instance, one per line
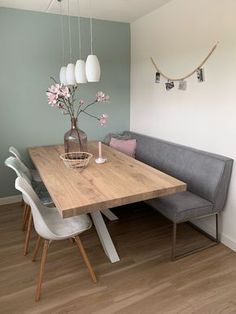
(80, 75)
(62, 75)
(70, 69)
(92, 67)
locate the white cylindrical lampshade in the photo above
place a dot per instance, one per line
(62, 76)
(70, 74)
(92, 68)
(80, 75)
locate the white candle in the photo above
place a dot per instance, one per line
(100, 159)
(100, 149)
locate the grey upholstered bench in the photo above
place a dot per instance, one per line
(207, 176)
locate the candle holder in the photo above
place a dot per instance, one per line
(100, 160)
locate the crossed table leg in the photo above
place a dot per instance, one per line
(109, 214)
(104, 235)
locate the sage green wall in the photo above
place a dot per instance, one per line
(31, 52)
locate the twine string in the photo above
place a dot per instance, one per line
(188, 75)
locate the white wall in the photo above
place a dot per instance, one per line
(179, 35)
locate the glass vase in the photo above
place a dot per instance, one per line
(75, 140)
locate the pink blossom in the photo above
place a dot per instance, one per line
(63, 97)
(52, 98)
(57, 88)
(101, 97)
(54, 89)
(52, 94)
(57, 91)
(103, 119)
(64, 92)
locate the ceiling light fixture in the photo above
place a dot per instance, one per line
(80, 75)
(92, 67)
(81, 72)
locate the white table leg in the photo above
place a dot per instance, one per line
(109, 214)
(104, 236)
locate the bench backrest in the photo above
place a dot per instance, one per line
(206, 174)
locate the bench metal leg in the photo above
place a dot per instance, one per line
(217, 229)
(214, 239)
(174, 241)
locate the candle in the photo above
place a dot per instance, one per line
(100, 160)
(99, 149)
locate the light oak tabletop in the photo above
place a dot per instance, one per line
(119, 181)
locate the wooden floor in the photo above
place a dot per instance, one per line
(144, 281)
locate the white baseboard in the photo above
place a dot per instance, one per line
(225, 239)
(10, 199)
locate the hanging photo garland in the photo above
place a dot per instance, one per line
(182, 80)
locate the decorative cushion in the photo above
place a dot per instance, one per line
(127, 147)
(108, 137)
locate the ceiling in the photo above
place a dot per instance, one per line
(113, 10)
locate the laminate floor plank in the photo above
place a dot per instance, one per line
(145, 281)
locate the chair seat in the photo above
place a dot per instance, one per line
(182, 206)
(63, 228)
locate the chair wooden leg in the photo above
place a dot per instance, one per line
(25, 217)
(41, 271)
(28, 234)
(85, 258)
(37, 247)
(24, 214)
(24, 210)
(26, 220)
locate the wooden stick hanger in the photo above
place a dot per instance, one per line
(191, 73)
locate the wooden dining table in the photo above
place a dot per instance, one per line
(99, 187)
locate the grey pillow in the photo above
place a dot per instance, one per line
(119, 136)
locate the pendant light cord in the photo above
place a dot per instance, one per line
(62, 34)
(91, 27)
(69, 27)
(79, 29)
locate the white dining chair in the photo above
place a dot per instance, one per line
(50, 226)
(18, 167)
(31, 172)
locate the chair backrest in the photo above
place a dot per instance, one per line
(15, 152)
(18, 167)
(22, 185)
(18, 156)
